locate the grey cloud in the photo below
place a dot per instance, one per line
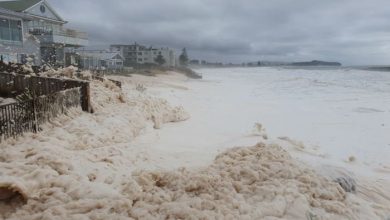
(353, 32)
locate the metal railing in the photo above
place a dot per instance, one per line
(42, 31)
(11, 42)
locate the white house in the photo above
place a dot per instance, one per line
(15, 44)
(101, 60)
(32, 28)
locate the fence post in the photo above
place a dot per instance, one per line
(35, 119)
(85, 98)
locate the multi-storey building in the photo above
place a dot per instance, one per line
(136, 54)
(33, 29)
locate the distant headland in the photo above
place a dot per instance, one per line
(313, 63)
(316, 63)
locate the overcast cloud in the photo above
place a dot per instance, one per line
(350, 31)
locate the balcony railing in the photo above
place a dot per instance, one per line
(10, 42)
(66, 37)
(62, 32)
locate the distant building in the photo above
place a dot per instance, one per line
(194, 62)
(33, 30)
(136, 54)
(266, 63)
(100, 60)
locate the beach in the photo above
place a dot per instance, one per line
(241, 143)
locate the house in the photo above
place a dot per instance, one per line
(100, 60)
(33, 29)
(135, 54)
(14, 44)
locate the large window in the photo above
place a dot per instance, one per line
(43, 27)
(10, 30)
(16, 30)
(4, 29)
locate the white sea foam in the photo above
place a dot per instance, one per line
(90, 166)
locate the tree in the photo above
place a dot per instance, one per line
(160, 60)
(183, 58)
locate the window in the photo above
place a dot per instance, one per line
(43, 9)
(16, 30)
(4, 29)
(10, 30)
(41, 27)
(23, 58)
(139, 53)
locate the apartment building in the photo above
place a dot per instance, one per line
(136, 54)
(33, 30)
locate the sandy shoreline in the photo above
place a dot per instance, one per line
(90, 166)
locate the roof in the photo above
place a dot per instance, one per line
(18, 5)
(14, 14)
(103, 55)
(110, 55)
(25, 5)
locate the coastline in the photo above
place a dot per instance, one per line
(94, 171)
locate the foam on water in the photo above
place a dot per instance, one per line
(340, 113)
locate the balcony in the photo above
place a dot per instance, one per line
(10, 43)
(67, 37)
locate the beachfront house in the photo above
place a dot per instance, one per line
(31, 30)
(15, 45)
(137, 55)
(101, 60)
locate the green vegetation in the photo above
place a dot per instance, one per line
(183, 58)
(160, 60)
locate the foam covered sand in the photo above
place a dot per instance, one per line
(71, 141)
(260, 182)
(81, 167)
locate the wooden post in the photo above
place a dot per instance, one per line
(35, 119)
(86, 98)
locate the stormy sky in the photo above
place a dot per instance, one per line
(354, 32)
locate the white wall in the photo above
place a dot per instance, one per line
(36, 10)
(150, 56)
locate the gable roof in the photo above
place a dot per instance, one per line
(110, 55)
(14, 14)
(25, 5)
(103, 55)
(18, 5)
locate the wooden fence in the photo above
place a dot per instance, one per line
(101, 79)
(27, 116)
(46, 98)
(13, 84)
